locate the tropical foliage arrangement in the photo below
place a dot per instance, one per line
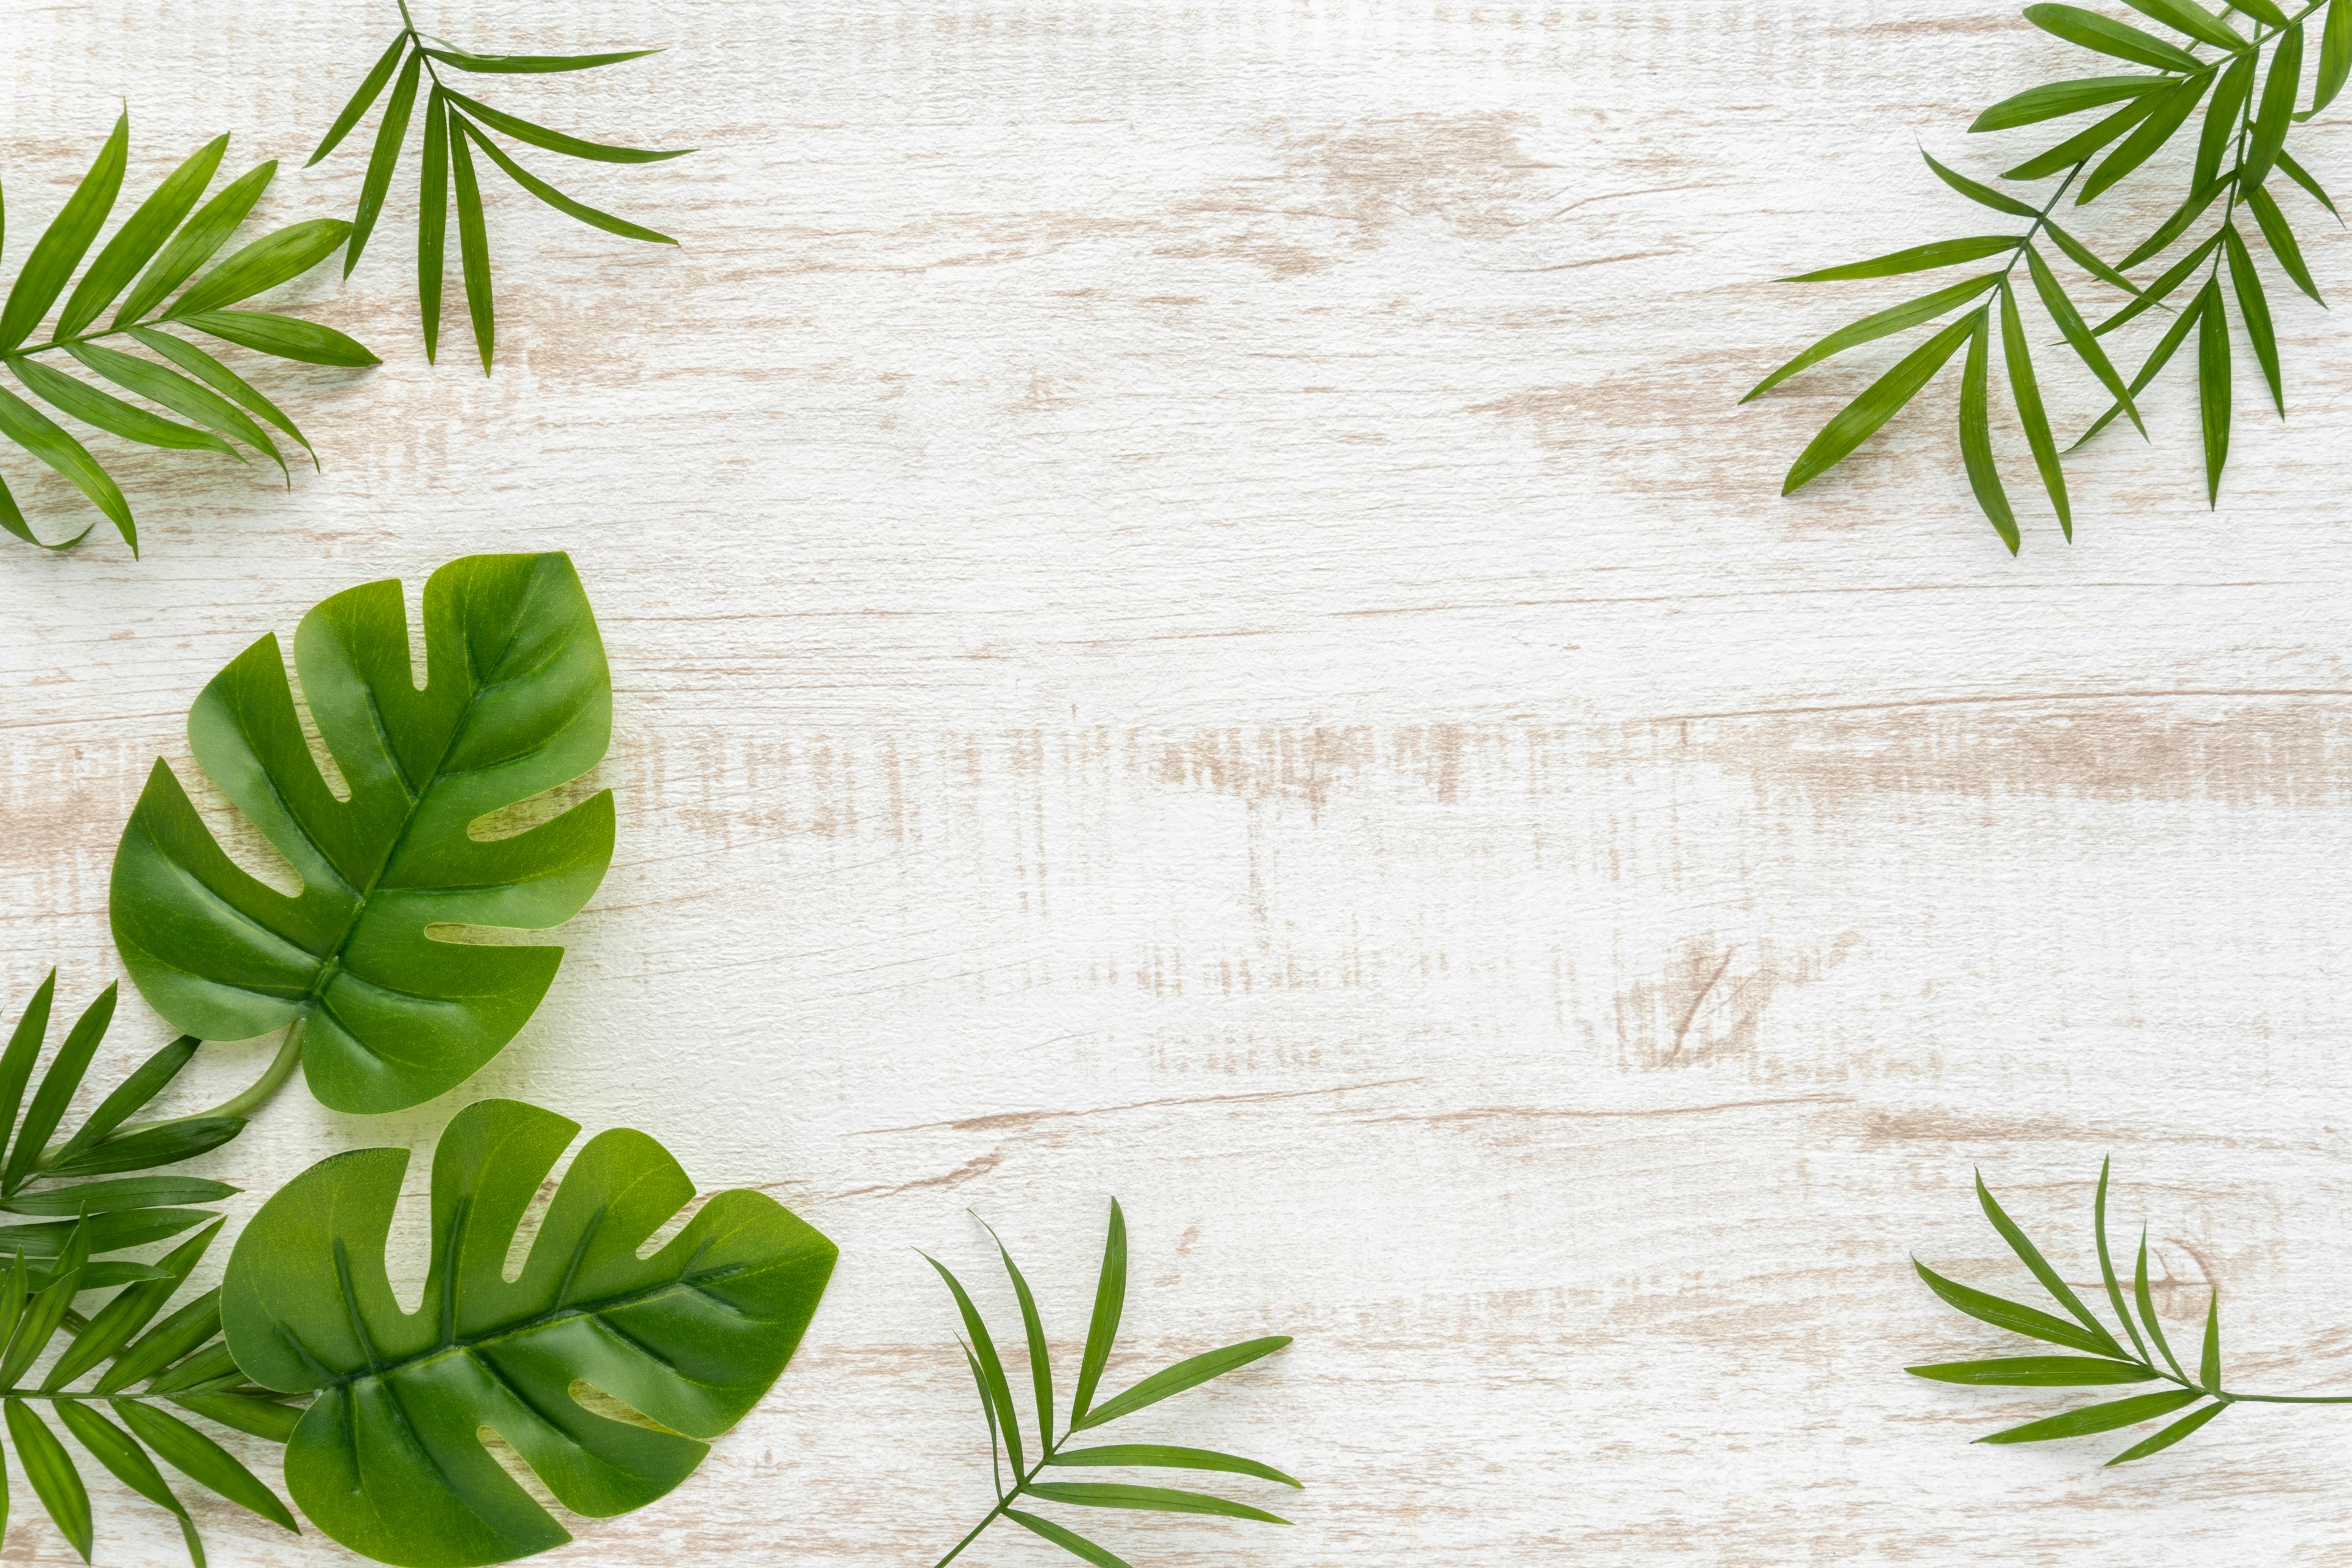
(2210, 106)
(608, 1373)
(167, 240)
(1001, 1413)
(2102, 1361)
(455, 127)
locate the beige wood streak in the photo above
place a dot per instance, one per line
(1195, 618)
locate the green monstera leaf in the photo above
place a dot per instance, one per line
(387, 1459)
(516, 701)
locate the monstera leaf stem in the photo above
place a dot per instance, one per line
(241, 1106)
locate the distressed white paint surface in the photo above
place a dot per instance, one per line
(1194, 619)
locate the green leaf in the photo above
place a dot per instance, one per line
(138, 240)
(1976, 435)
(2302, 176)
(176, 393)
(1983, 194)
(125, 1193)
(306, 343)
(2266, 12)
(983, 1347)
(2055, 100)
(110, 413)
(2280, 234)
(473, 244)
(433, 220)
(114, 1232)
(987, 1410)
(2031, 1255)
(2005, 1314)
(2158, 358)
(378, 74)
(266, 263)
(206, 368)
(2170, 1436)
(1918, 259)
(562, 203)
(1041, 1365)
(198, 240)
(2210, 1368)
(2222, 119)
(389, 135)
(2026, 392)
(2254, 307)
(2147, 1309)
(556, 141)
(60, 248)
(1110, 1304)
(128, 1463)
(57, 1090)
(386, 1459)
(2171, 112)
(1885, 323)
(2094, 1418)
(1161, 1457)
(518, 701)
(1069, 1541)
(260, 1418)
(51, 1470)
(2107, 1265)
(25, 1048)
(202, 1460)
(1190, 1373)
(2213, 385)
(12, 518)
(2190, 18)
(532, 65)
(33, 430)
(1880, 402)
(2277, 110)
(131, 1310)
(2120, 39)
(2082, 256)
(149, 1079)
(2158, 291)
(38, 1323)
(2185, 214)
(164, 1144)
(2082, 144)
(2034, 1372)
(1155, 1500)
(2335, 58)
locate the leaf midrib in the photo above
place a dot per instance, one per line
(330, 964)
(390, 1369)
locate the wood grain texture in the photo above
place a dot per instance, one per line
(1195, 618)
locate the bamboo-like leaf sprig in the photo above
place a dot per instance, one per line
(455, 127)
(1000, 1409)
(2239, 144)
(2104, 1359)
(160, 246)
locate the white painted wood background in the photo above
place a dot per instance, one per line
(1195, 618)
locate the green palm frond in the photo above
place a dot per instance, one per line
(167, 238)
(455, 127)
(2222, 103)
(2193, 1397)
(92, 1389)
(1001, 1410)
(78, 1201)
(78, 1190)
